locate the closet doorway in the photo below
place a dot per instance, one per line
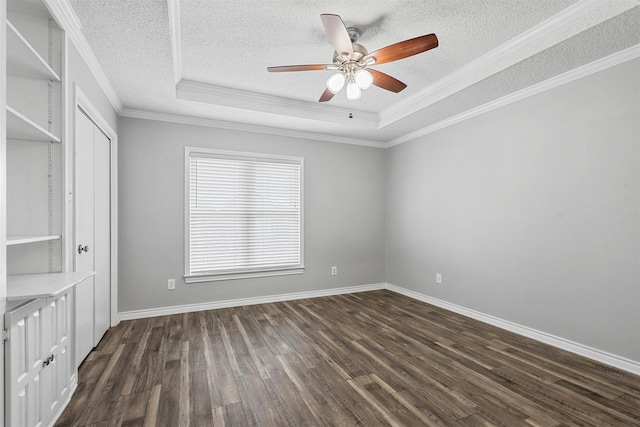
(95, 297)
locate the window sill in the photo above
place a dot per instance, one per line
(245, 275)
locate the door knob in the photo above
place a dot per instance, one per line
(83, 249)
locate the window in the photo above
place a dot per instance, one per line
(243, 215)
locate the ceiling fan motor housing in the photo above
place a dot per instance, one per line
(359, 52)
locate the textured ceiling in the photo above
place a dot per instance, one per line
(208, 59)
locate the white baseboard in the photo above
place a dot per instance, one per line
(179, 309)
(562, 343)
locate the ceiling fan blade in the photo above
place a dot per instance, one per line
(337, 33)
(404, 49)
(326, 96)
(283, 68)
(385, 81)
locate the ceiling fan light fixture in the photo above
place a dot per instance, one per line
(363, 79)
(351, 59)
(335, 83)
(353, 91)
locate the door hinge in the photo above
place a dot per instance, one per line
(5, 335)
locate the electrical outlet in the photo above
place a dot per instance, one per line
(438, 278)
(334, 271)
(171, 283)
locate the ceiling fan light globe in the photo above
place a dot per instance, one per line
(335, 83)
(363, 79)
(353, 91)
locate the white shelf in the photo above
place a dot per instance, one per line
(31, 286)
(33, 8)
(23, 60)
(20, 126)
(21, 240)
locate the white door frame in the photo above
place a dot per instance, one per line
(82, 102)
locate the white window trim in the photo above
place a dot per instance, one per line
(191, 278)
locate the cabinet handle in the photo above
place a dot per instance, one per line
(83, 249)
(48, 360)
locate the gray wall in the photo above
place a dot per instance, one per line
(530, 212)
(344, 214)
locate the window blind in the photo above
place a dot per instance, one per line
(244, 214)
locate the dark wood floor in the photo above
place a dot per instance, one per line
(374, 358)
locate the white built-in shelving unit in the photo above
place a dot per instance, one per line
(35, 113)
(40, 371)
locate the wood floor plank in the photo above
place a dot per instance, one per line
(199, 401)
(320, 404)
(352, 406)
(290, 406)
(135, 365)
(371, 359)
(234, 415)
(273, 339)
(169, 404)
(136, 405)
(428, 407)
(259, 408)
(222, 386)
(151, 413)
(184, 417)
(381, 397)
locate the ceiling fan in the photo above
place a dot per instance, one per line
(352, 60)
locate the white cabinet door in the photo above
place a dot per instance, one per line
(38, 366)
(24, 354)
(56, 373)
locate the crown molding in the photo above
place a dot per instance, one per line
(513, 51)
(577, 73)
(228, 97)
(68, 20)
(63, 14)
(561, 79)
(196, 121)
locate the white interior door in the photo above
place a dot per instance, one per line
(84, 235)
(101, 233)
(93, 233)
